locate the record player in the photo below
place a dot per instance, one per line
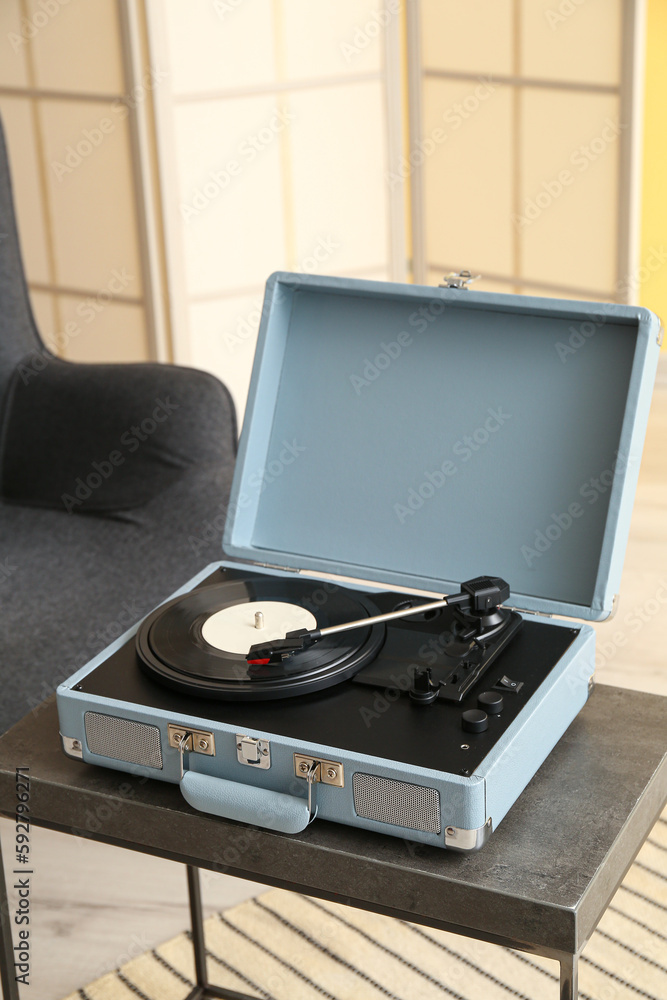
(431, 501)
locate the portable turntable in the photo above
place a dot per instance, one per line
(408, 455)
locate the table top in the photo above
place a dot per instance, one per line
(542, 881)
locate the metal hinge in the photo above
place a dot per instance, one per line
(524, 611)
(459, 279)
(283, 569)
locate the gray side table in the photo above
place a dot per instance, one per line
(540, 884)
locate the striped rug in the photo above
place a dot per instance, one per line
(282, 946)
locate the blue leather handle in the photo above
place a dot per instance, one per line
(244, 803)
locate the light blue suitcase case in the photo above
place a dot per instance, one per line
(409, 438)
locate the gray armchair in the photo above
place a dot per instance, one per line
(113, 485)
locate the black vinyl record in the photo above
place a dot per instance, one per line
(173, 650)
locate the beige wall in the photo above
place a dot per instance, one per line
(169, 155)
(275, 148)
(66, 106)
(530, 170)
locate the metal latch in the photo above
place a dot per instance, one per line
(252, 751)
(191, 740)
(458, 279)
(329, 772)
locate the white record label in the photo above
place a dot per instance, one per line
(233, 629)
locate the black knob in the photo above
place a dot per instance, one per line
(423, 690)
(491, 702)
(474, 721)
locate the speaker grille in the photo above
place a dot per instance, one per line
(122, 739)
(397, 802)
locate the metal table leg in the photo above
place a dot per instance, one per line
(197, 924)
(10, 989)
(203, 989)
(569, 964)
(569, 977)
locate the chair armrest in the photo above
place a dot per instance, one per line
(109, 437)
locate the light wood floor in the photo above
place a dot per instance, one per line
(97, 906)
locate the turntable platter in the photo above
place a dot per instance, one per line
(198, 643)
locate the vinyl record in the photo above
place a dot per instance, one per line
(196, 643)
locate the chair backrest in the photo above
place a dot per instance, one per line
(18, 332)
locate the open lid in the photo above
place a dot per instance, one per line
(421, 436)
